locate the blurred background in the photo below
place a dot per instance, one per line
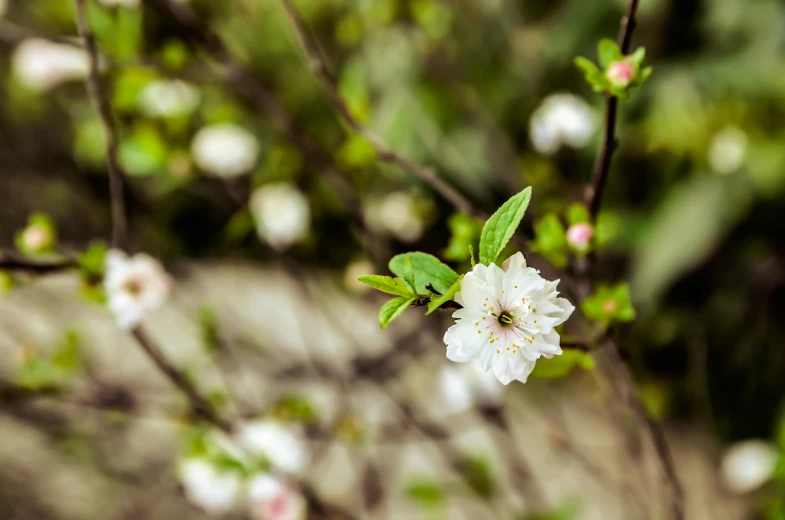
(265, 208)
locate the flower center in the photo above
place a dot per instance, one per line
(505, 319)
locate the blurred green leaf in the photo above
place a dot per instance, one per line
(427, 494)
(560, 366)
(477, 474)
(608, 52)
(609, 304)
(550, 240)
(502, 225)
(465, 231)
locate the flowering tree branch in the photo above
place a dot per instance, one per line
(101, 103)
(330, 85)
(609, 142)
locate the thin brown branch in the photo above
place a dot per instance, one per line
(14, 262)
(609, 142)
(330, 85)
(101, 103)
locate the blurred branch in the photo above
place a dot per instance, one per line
(609, 142)
(14, 262)
(101, 103)
(330, 85)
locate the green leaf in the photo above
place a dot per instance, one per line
(586, 65)
(502, 225)
(465, 231)
(559, 366)
(608, 52)
(550, 240)
(477, 474)
(427, 494)
(577, 214)
(387, 284)
(427, 269)
(609, 304)
(68, 356)
(392, 309)
(438, 301)
(638, 56)
(408, 274)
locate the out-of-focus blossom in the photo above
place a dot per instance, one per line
(747, 465)
(280, 445)
(282, 214)
(396, 214)
(38, 238)
(120, 3)
(561, 120)
(353, 271)
(507, 320)
(466, 385)
(579, 235)
(166, 98)
(225, 150)
(213, 490)
(41, 64)
(271, 499)
(134, 286)
(727, 150)
(620, 73)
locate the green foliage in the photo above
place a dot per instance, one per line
(208, 325)
(408, 274)
(550, 240)
(568, 511)
(609, 304)
(387, 284)
(608, 53)
(438, 301)
(429, 495)
(502, 225)
(477, 475)
(7, 281)
(427, 269)
(294, 408)
(577, 214)
(560, 366)
(144, 152)
(392, 309)
(39, 372)
(464, 232)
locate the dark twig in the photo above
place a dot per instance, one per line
(609, 142)
(101, 103)
(330, 85)
(15, 262)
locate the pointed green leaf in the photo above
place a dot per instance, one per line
(586, 65)
(387, 284)
(638, 56)
(392, 309)
(408, 273)
(427, 269)
(438, 301)
(502, 225)
(608, 52)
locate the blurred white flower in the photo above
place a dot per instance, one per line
(353, 271)
(271, 499)
(396, 214)
(561, 120)
(507, 320)
(134, 286)
(283, 447)
(747, 465)
(214, 491)
(166, 98)
(225, 150)
(466, 385)
(41, 64)
(727, 150)
(282, 214)
(120, 3)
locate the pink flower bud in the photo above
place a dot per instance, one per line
(620, 73)
(579, 235)
(610, 307)
(37, 238)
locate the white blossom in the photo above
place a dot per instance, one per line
(166, 98)
(41, 64)
(466, 385)
(214, 491)
(507, 320)
(749, 464)
(225, 150)
(134, 286)
(283, 447)
(271, 499)
(396, 214)
(120, 3)
(727, 150)
(561, 120)
(282, 214)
